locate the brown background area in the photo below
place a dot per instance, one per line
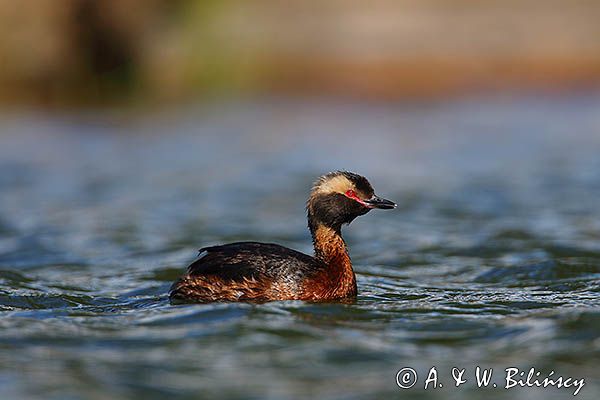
(89, 52)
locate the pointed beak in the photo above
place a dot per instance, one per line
(378, 202)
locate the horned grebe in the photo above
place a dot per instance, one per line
(251, 271)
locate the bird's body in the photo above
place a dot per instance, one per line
(257, 272)
(251, 271)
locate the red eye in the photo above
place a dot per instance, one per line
(350, 193)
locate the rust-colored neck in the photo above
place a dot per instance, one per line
(338, 280)
(329, 245)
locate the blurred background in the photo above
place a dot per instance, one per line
(133, 132)
(85, 52)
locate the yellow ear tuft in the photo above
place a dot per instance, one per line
(329, 184)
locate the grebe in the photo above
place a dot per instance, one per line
(251, 271)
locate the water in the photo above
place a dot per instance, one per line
(492, 258)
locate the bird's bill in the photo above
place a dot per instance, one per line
(378, 202)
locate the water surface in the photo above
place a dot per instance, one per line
(492, 258)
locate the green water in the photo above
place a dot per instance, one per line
(492, 258)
